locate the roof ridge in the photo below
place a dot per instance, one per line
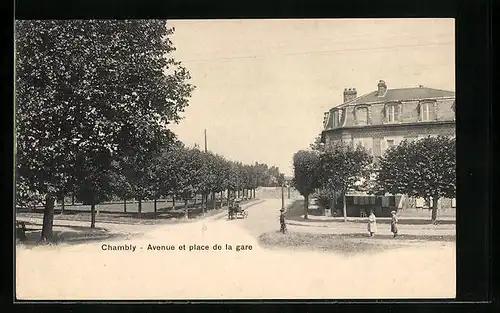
(424, 87)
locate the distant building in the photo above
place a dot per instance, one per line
(385, 117)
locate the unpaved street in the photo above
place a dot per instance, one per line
(86, 271)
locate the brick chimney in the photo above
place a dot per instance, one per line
(350, 94)
(382, 88)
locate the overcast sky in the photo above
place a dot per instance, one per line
(262, 85)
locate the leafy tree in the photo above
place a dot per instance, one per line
(187, 173)
(208, 175)
(342, 167)
(306, 165)
(48, 64)
(220, 167)
(423, 168)
(91, 90)
(120, 185)
(317, 144)
(95, 178)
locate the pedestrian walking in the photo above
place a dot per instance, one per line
(394, 224)
(282, 221)
(372, 224)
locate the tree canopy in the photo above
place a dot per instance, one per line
(421, 168)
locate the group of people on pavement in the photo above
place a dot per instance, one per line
(372, 224)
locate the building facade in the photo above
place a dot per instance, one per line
(385, 117)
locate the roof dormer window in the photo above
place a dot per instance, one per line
(393, 113)
(337, 118)
(361, 115)
(427, 111)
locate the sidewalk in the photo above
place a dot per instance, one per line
(358, 225)
(330, 219)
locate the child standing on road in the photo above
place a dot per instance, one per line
(394, 224)
(372, 224)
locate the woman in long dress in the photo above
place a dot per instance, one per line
(372, 224)
(394, 224)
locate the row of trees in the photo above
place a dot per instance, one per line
(183, 173)
(423, 168)
(93, 103)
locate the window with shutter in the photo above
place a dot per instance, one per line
(326, 119)
(433, 111)
(424, 111)
(341, 117)
(393, 112)
(334, 117)
(362, 116)
(427, 111)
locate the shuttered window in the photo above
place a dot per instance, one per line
(427, 111)
(362, 116)
(392, 113)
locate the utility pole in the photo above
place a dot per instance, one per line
(205, 140)
(282, 196)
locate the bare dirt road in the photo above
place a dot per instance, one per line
(94, 271)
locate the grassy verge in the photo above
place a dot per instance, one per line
(343, 243)
(66, 234)
(146, 218)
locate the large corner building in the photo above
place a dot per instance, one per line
(385, 117)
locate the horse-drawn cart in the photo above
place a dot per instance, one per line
(236, 211)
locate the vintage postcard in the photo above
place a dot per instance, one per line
(235, 159)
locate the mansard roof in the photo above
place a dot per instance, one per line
(402, 94)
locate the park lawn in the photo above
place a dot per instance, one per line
(65, 234)
(163, 216)
(130, 207)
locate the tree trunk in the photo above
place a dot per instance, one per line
(62, 205)
(345, 208)
(434, 209)
(154, 201)
(186, 213)
(173, 201)
(306, 206)
(124, 205)
(202, 203)
(254, 193)
(214, 204)
(92, 215)
(288, 189)
(48, 218)
(72, 199)
(139, 207)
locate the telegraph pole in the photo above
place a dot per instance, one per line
(283, 195)
(205, 140)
